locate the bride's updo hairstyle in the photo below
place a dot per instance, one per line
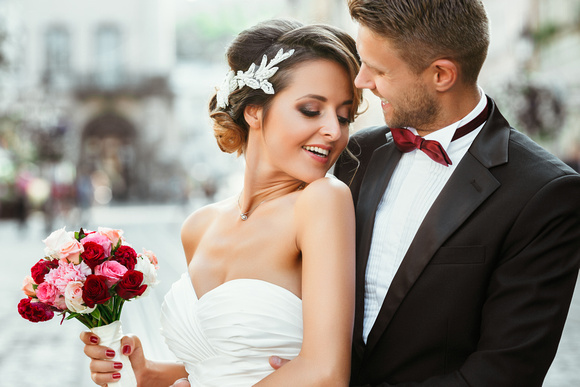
(309, 42)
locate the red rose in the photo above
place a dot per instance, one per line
(34, 311)
(94, 254)
(126, 256)
(95, 290)
(41, 268)
(130, 285)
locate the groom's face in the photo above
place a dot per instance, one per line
(406, 98)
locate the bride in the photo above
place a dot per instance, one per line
(271, 270)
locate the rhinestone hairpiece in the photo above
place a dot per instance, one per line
(254, 78)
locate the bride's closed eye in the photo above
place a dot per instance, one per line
(313, 113)
(309, 112)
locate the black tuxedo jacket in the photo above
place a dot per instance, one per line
(482, 294)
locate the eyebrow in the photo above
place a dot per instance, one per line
(322, 99)
(372, 67)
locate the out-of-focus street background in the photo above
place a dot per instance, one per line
(103, 122)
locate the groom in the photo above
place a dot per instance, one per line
(468, 248)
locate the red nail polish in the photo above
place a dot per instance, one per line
(118, 366)
(126, 349)
(117, 376)
(94, 339)
(110, 353)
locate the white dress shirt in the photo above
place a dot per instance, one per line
(416, 182)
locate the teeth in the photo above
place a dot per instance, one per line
(315, 149)
(384, 100)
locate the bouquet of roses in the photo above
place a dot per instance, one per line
(88, 275)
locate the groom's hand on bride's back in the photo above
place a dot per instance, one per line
(277, 362)
(103, 370)
(181, 383)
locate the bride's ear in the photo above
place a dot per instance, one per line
(253, 116)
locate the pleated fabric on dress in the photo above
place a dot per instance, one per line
(226, 337)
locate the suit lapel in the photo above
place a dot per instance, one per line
(468, 187)
(379, 171)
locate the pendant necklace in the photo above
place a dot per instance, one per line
(244, 215)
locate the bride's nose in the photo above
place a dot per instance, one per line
(331, 129)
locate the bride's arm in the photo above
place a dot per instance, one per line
(326, 237)
(147, 372)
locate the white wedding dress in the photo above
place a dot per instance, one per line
(225, 338)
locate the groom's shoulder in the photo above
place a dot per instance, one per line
(368, 139)
(371, 133)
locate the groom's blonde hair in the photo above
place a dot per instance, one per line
(423, 31)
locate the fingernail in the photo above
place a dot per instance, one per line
(110, 353)
(276, 360)
(126, 349)
(94, 339)
(117, 376)
(118, 366)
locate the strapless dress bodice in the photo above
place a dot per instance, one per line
(226, 337)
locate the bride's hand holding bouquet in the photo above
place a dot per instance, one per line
(88, 276)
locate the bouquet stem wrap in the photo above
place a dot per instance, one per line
(111, 335)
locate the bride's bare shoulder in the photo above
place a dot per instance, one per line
(323, 197)
(326, 189)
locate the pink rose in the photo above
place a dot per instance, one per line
(113, 235)
(113, 271)
(99, 239)
(27, 286)
(62, 245)
(60, 302)
(73, 296)
(152, 257)
(47, 293)
(65, 273)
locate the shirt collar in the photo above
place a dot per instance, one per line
(444, 135)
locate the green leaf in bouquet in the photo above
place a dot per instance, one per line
(96, 314)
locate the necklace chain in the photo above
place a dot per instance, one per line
(244, 215)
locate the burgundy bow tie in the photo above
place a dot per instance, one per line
(407, 141)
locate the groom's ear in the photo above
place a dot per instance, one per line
(445, 74)
(253, 116)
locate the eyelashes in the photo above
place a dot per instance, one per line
(314, 113)
(309, 113)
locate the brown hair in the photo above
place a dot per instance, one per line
(310, 42)
(423, 31)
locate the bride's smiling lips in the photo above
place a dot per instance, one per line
(318, 152)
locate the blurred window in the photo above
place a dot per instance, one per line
(57, 41)
(108, 60)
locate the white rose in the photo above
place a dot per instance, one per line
(61, 244)
(149, 271)
(73, 297)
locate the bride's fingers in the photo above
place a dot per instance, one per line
(89, 338)
(102, 379)
(105, 366)
(132, 347)
(92, 349)
(99, 352)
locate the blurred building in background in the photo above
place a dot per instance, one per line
(105, 101)
(86, 105)
(533, 70)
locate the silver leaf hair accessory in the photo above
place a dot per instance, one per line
(254, 78)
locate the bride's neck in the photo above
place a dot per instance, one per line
(256, 190)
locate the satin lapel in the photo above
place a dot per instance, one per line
(377, 176)
(468, 187)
